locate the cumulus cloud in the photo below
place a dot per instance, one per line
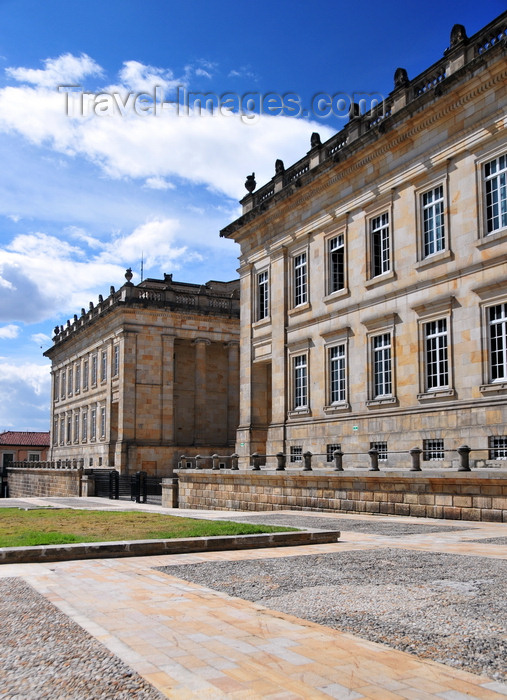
(25, 389)
(158, 183)
(153, 240)
(10, 331)
(64, 70)
(212, 150)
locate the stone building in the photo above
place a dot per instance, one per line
(146, 375)
(374, 276)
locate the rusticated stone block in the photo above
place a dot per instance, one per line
(452, 513)
(443, 499)
(462, 501)
(492, 516)
(401, 509)
(417, 510)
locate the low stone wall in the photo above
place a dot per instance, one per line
(43, 482)
(476, 495)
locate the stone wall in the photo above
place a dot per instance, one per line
(477, 495)
(43, 482)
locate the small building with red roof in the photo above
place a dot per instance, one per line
(23, 446)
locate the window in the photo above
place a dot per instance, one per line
(56, 388)
(76, 426)
(300, 373)
(84, 425)
(300, 280)
(70, 380)
(116, 360)
(77, 386)
(103, 366)
(329, 451)
(102, 421)
(498, 447)
(55, 431)
(94, 370)
(433, 450)
(381, 448)
(432, 211)
(93, 424)
(63, 381)
(495, 185)
(85, 375)
(498, 342)
(436, 345)
(296, 454)
(337, 376)
(262, 295)
(382, 365)
(380, 245)
(34, 456)
(69, 428)
(62, 430)
(336, 253)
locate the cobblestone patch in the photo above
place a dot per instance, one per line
(44, 655)
(445, 607)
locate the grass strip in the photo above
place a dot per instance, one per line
(20, 528)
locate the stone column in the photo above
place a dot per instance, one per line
(200, 417)
(232, 390)
(168, 388)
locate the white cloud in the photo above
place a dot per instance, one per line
(14, 217)
(41, 339)
(25, 389)
(64, 70)
(154, 241)
(216, 151)
(158, 183)
(10, 331)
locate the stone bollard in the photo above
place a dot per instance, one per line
(415, 454)
(216, 460)
(464, 458)
(280, 462)
(338, 460)
(198, 461)
(234, 462)
(307, 457)
(182, 462)
(374, 460)
(256, 462)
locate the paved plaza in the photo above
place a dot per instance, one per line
(187, 640)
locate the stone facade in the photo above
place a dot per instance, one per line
(374, 277)
(40, 483)
(149, 373)
(471, 496)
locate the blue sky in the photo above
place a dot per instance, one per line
(85, 192)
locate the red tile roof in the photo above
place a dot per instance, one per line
(26, 439)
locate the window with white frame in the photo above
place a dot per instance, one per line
(495, 191)
(84, 424)
(102, 421)
(93, 424)
(436, 345)
(300, 279)
(34, 456)
(77, 384)
(300, 381)
(296, 454)
(497, 317)
(336, 257)
(76, 426)
(116, 360)
(498, 447)
(262, 295)
(380, 245)
(433, 228)
(382, 365)
(337, 374)
(103, 366)
(381, 448)
(433, 450)
(94, 369)
(85, 375)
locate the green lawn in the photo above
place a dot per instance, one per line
(20, 528)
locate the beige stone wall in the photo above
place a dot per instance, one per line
(43, 482)
(469, 497)
(444, 140)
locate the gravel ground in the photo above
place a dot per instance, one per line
(445, 607)
(46, 655)
(492, 540)
(372, 527)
